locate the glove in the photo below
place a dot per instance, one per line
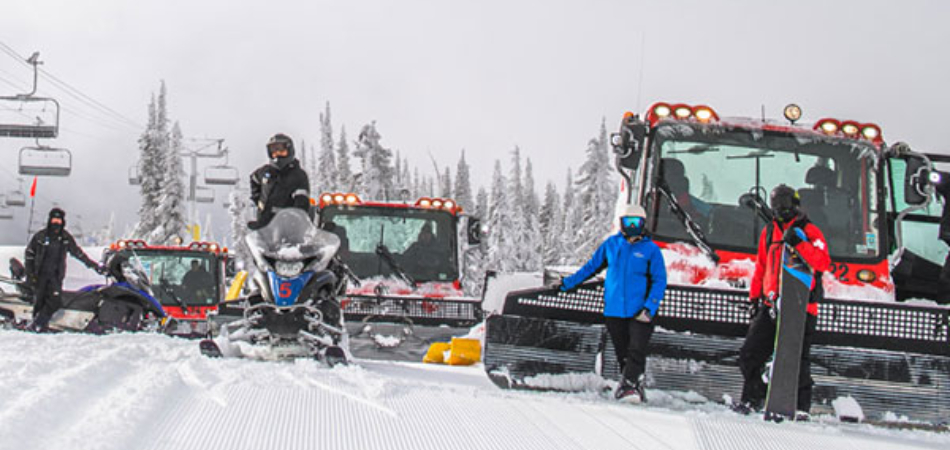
(754, 305)
(644, 316)
(791, 236)
(560, 285)
(101, 269)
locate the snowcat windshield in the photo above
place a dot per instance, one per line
(190, 276)
(291, 236)
(709, 167)
(422, 242)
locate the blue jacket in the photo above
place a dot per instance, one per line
(632, 269)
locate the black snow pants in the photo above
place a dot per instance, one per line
(630, 339)
(757, 350)
(48, 299)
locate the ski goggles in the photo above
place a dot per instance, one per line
(632, 222)
(275, 147)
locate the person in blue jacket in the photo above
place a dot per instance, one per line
(633, 288)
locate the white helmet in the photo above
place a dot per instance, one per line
(633, 211)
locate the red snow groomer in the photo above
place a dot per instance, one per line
(704, 181)
(407, 258)
(188, 280)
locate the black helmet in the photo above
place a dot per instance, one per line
(280, 140)
(56, 213)
(785, 203)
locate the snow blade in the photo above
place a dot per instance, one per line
(891, 358)
(529, 353)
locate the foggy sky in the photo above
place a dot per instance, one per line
(440, 76)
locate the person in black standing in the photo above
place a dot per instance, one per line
(279, 184)
(46, 266)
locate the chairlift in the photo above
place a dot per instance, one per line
(15, 198)
(221, 175)
(24, 116)
(45, 161)
(27, 116)
(204, 194)
(6, 213)
(135, 176)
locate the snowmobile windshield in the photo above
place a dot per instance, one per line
(421, 242)
(711, 170)
(292, 237)
(185, 277)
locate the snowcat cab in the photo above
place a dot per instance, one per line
(189, 281)
(407, 261)
(704, 181)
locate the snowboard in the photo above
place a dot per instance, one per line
(795, 284)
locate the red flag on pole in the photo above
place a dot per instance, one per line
(33, 188)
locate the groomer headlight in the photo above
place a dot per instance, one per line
(288, 269)
(935, 177)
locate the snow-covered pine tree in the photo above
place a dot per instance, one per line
(343, 173)
(153, 145)
(532, 234)
(326, 171)
(171, 208)
(596, 195)
(445, 187)
(238, 205)
(519, 235)
(499, 251)
(549, 223)
(463, 185)
(572, 225)
(377, 170)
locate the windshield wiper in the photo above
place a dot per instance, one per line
(757, 203)
(387, 256)
(691, 228)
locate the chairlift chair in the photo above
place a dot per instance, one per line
(45, 161)
(204, 195)
(15, 198)
(135, 177)
(6, 213)
(24, 116)
(222, 175)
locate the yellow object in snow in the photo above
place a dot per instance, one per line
(464, 352)
(236, 285)
(436, 353)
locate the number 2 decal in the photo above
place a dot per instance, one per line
(284, 289)
(840, 271)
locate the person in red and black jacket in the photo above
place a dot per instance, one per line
(760, 339)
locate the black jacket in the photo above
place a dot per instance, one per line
(273, 189)
(46, 255)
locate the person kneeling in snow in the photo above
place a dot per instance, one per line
(633, 289)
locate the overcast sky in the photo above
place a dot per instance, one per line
(439, 76)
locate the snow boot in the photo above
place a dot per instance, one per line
(209, 348)
(629, 392)
(744, 408)
(334, 355)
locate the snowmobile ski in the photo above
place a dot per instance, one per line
(795, 284)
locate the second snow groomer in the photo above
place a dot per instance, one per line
(633, 288)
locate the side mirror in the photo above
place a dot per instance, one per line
(475, 231)
(628, 142)
(916, 181)
(230, 268)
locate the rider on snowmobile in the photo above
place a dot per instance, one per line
(279, 184)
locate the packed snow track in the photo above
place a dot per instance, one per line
(143, 391)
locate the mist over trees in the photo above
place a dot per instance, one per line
(526, 230)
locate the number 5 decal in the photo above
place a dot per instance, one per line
(284, 289)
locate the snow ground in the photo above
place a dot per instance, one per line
(142, 391)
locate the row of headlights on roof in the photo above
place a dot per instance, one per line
(437, 203)
(849, 128)
(339, 199)
(700, 113)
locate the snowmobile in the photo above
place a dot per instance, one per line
(124, 303)
(294, 311)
